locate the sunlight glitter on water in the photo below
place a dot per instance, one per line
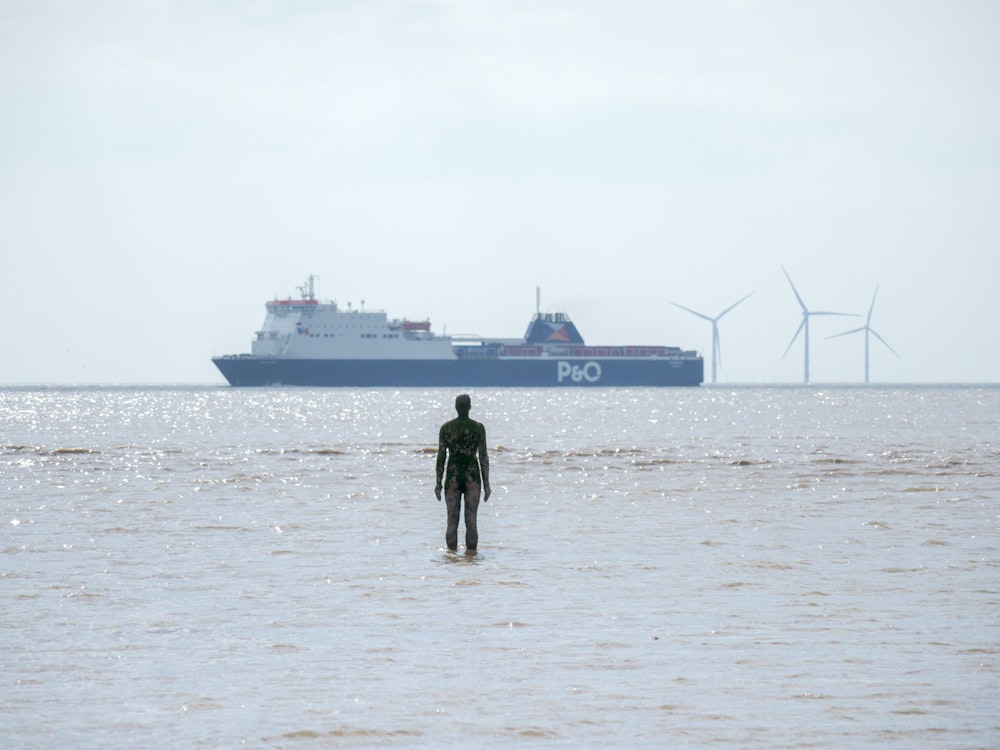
(707, 567)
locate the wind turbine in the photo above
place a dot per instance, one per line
(867, 328)
(806, 314)
(716, 350)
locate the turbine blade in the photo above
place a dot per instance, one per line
(796, 291)
(732, 306)
(718, 348)
(884, 342)
(872, 306)
(693, 312)
(797, 332)
(826, 312)
(853, 330)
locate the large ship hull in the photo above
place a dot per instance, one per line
(305, 342)
(250, 370)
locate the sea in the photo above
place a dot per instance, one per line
(713, 567)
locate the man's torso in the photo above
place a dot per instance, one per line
(462, 438)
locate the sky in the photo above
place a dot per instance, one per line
(167, 167)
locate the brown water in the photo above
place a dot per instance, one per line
(745, 568)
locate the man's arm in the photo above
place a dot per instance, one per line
(442, 454)
(484, 463)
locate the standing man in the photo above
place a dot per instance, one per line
(463, 442)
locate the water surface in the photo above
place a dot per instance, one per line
(712, 567)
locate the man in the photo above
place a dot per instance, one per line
(463, 442)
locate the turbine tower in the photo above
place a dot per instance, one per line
(716, 350)
(806, 314)
(867, 328)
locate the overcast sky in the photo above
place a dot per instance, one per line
(167, 167)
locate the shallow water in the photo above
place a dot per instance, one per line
(713, 567)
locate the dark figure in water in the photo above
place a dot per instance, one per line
(462, 441)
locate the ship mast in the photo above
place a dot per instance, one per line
(306, 290)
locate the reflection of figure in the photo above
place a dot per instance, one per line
(463, 442)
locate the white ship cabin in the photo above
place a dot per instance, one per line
(308, 329)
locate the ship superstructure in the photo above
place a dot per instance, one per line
(307, 342)
(305, 328)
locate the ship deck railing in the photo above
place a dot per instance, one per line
(592, 351)
(533, 351)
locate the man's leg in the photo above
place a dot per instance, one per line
(453, 500)
(472, 491)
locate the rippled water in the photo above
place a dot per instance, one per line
(746, 568)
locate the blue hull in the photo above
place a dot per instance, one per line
(540, 372)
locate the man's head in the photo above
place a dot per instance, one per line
(463, 403)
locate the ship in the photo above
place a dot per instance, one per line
(306, 342)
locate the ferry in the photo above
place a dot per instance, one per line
(305, 342)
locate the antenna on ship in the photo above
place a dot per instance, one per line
(716, 348)
(538, 301)
(867, 328)
(306, 290)
(806, 313)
